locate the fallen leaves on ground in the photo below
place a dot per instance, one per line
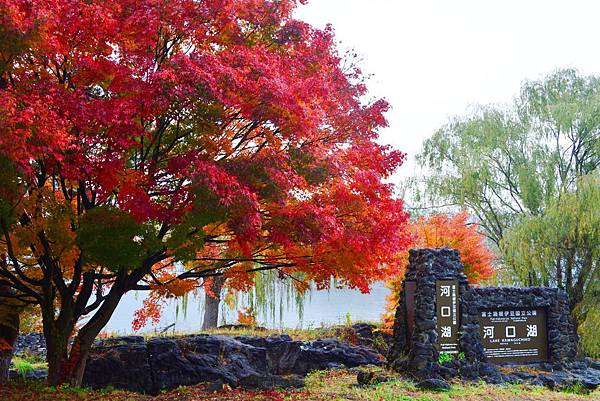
(334, 385)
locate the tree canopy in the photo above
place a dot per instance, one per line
(504, 163)
(561, 248)
(153, 144)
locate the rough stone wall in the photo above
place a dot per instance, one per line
(562, 334)
(420, 355)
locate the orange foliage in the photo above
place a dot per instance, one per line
(151, 310)
(247, 317)
(48, 212)
(443, 231)
(31, 320)
(4, 345)
(168, 285)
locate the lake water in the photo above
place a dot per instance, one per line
(318, 308)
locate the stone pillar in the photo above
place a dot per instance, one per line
(562, 332)
(415, 344)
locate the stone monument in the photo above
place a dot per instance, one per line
(439, 313)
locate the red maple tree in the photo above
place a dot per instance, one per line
(444, 231)
(152, 144)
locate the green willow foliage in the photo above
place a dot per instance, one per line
(588, 331)
(507, 163)
(271, 296)
(561, 248)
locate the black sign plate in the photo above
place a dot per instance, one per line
(514, 335)
(447, 314)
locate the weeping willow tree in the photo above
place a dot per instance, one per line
(561, 248)
(588, 330)
(270, 297)
(508, 163)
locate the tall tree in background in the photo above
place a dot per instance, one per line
(212, 300)
(561, 248)
(506, 164)
(152, 145)
(444, 231)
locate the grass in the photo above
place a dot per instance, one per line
(25, 363)
(343, 332)
(22, 366)
(338, 385)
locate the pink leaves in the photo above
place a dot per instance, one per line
(31, 128)
(241, 203)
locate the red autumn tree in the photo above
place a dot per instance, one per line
(444, 231)
(150, 144)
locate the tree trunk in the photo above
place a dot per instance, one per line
(5, 359)
(9, 331)
(66, 362)
(57, 346)
(74, 366)
(8, 337)
(211, 304)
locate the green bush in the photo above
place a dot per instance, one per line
(444, 357)
(589, 342)
(23, 366)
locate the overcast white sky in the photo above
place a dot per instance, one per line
(432, 59)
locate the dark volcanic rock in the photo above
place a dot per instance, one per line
(196, 359)
(32, 344)
(433, 384)
(281, 352)
(250, 362)
(369, 336)
(583, 372)
(128, 340)
(123, 366)
(332, 353)
(34, 374)
(369, 378)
